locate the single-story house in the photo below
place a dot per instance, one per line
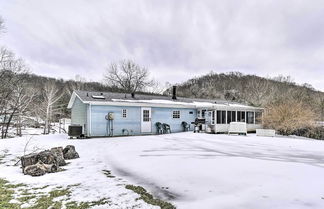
(115, 114)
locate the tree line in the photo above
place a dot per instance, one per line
(289, 107)
(26, 97)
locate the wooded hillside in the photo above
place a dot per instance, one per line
(251, 89)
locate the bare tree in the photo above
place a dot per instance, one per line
(10, 68)
(258, 91)
(20, 100)
(128, 76)
(25, 102)
(51, 95)
(284, 79)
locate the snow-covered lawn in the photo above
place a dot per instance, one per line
(187, 169)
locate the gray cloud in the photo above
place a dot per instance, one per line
(176, 40)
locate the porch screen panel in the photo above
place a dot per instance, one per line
(250, 117)
(229, 116)
(233, 116)
(221, 117)
(258, 117)
(240, 116)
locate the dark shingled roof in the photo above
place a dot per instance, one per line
(108, 96)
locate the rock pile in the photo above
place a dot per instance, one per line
(48, 161)
(58, 151)
(70, 153)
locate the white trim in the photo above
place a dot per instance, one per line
(229, 108)
(146, 126)
(235, 115)
(254, 118)
(129, 104)
(173, 114)
(122, 113)
(226, 111)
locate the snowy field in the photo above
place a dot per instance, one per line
(189, 170)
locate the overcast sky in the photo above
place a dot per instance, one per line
(176, 40)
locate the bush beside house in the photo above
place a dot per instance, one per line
(288, 117)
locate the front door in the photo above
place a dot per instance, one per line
(146, 123)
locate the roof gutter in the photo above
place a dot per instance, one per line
(140, 104)
(144, 104)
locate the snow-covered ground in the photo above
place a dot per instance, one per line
(190, 170)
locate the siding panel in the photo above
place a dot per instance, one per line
(133, 121)
(99, 123)
(79, 113)
(164, 115)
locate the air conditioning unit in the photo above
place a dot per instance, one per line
(75, 131)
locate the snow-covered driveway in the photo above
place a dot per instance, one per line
(191, 170)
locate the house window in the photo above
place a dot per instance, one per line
(124, 113)
(221, 117)
(258, 117)
(250, 117)
(176, 114)
(191, 112)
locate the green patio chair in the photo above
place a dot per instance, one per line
(186, 126)
(159, 128)
(166, 128)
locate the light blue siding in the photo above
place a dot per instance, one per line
(133, 120)
(79, 113)
(165, 115)
(88, 126)
(99, 124)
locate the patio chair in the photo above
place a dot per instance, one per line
(166, 128)
(159, 128)
(186, 126)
